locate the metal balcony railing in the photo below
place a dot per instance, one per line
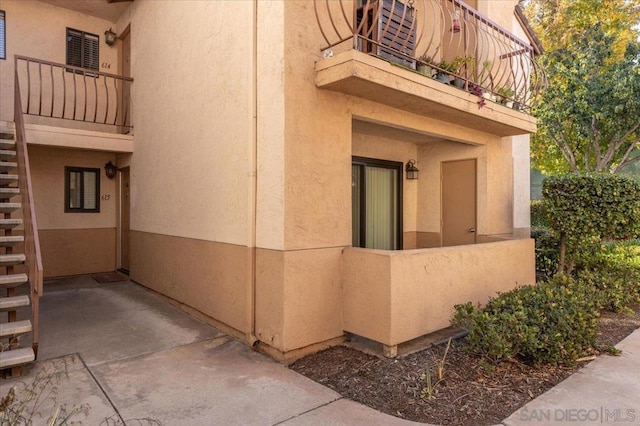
(60, 91)
(443, 39)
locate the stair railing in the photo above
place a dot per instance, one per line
(33, 260)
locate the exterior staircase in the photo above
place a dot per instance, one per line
(18, 294)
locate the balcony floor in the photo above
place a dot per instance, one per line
(358, 74)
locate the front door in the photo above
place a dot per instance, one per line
(125, 205)
(376, 188)
(458, 202)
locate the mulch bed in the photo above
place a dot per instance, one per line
(472, 392)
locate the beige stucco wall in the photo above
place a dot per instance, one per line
(393, 297)
(521, 184)
(38, 30)
(72, 243)
(500, 11)
(77, 251)
(205, 275)
(299, 297)
(47, 173)
(193, 110)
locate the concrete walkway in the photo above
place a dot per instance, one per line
(131, 355)
(607, 391)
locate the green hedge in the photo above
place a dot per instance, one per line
(613, 274)
(538, 214)
(584, 209)
(547, 249)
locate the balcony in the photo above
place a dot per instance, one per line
(439, 58)
(74, 107)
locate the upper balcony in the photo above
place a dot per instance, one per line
(74, 107)
(440, 58)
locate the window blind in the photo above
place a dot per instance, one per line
(3, 51)
(82, 49)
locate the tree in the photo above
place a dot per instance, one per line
(589, 115)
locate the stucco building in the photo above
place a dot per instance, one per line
(265, 156)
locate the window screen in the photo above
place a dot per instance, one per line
(82, 49)
(82, 192)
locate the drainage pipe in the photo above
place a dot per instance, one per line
(253, 178)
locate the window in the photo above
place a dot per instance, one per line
(376, 209)
(82, 190)
(3, 37)
(82, 49)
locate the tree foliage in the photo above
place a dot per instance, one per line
(589, 116)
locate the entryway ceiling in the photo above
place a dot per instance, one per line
(99, 8)
(374, 129)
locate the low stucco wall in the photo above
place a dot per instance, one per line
(395, 296)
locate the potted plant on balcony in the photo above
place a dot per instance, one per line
(459, 63)
(445, 69)
(424, 66)
(504, 94)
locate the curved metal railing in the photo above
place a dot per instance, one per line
(447, 38)
(60, 91)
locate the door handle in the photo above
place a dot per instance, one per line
(472, 230)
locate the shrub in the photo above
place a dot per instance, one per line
(613, 275)
(547, 248)
(551, 322)
(538, 214)
(584, 209)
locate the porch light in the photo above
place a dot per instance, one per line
(110, 169)
(455, 22)
(109, 37)
(412, 170)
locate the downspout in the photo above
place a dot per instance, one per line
(253, 202)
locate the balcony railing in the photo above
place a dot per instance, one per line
(60, 91)
(443, 39)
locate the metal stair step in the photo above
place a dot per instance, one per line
(7, 154)
(16, 357)
(10, 223)
(10, 240)
(7, 192)
(11, 303)
(6, 134)
(8, 179)
(12, 259)
(13, 280)
(9, 329)
(6, 166)
(6, 144)
(9, 207)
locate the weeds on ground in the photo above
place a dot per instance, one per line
(23, 402)
(430, 391)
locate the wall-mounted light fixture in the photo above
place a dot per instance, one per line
(110, 169)
(412, 170)
(455, 22)
(110, 37)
